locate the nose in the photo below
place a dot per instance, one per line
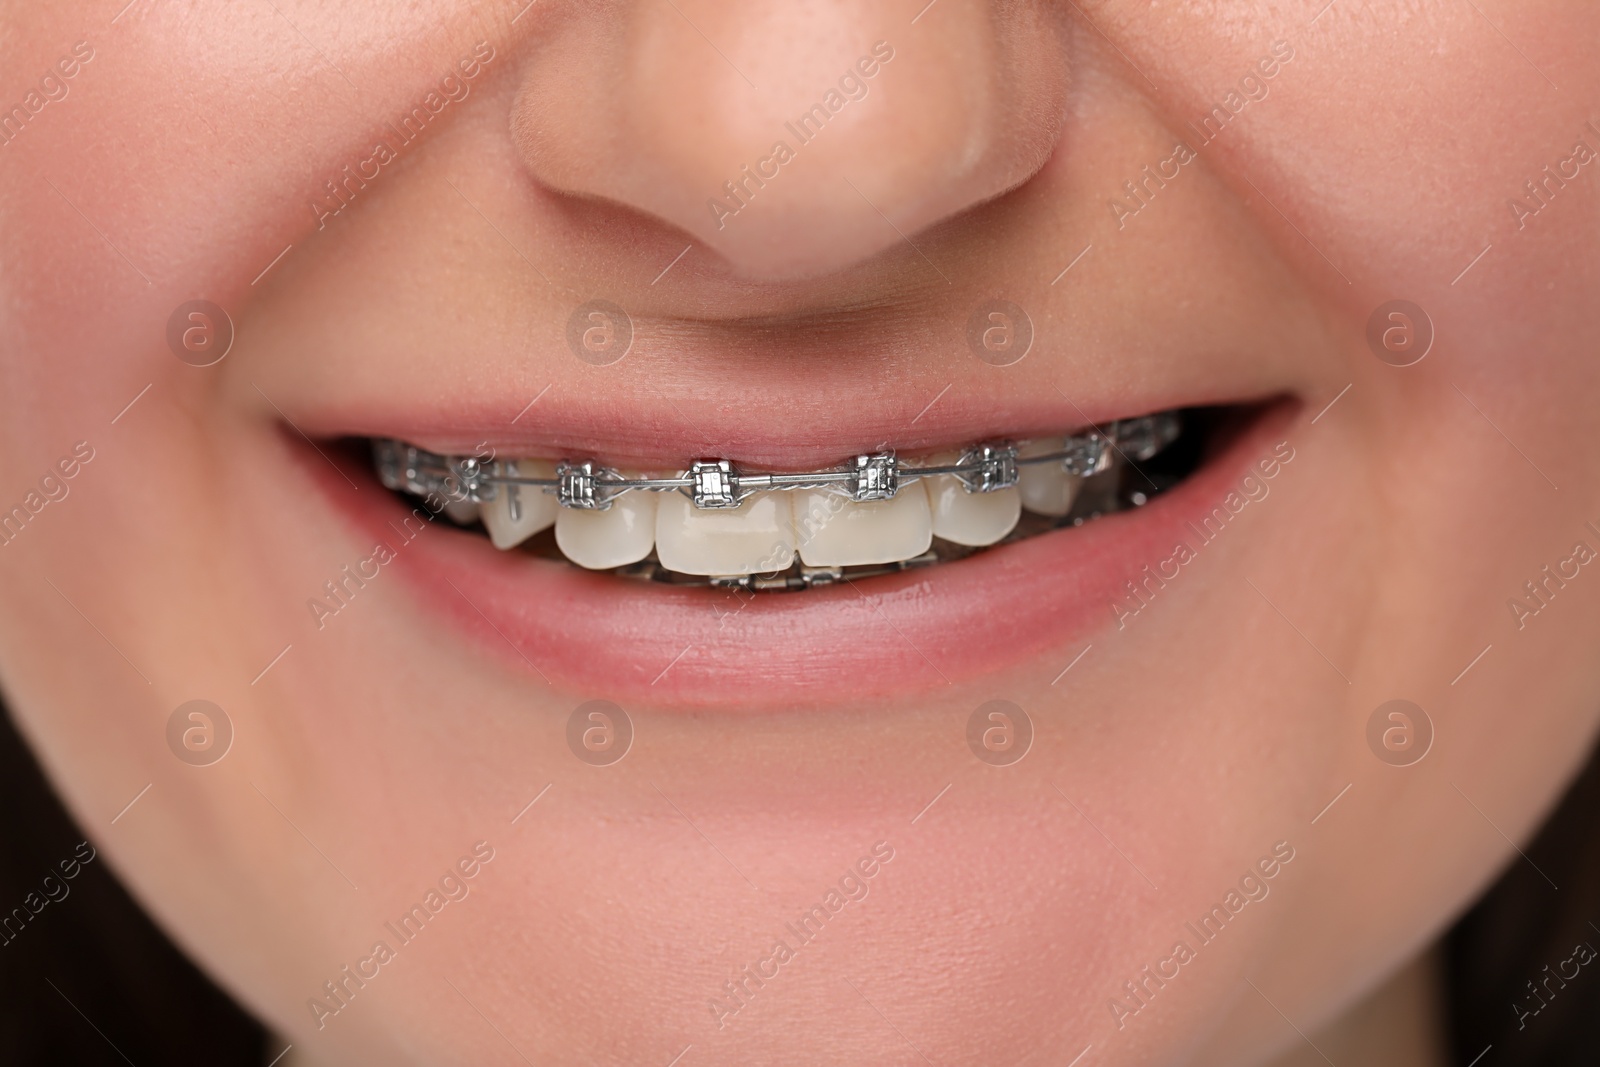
(794, 138)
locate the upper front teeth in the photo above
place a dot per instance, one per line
(724, 522)
(756, 537)
(843, 533)
(621, 534)
(766, 532)
(976, 518)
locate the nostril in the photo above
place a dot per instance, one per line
(794, 141)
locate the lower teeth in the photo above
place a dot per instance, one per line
(1118, 479)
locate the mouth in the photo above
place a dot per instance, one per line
(713, 523)
(980, 560)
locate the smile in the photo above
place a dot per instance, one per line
(713, 523)
(969, 582)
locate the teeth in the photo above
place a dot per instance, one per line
(969, 518)
(621, 534)
(1046, 489)
(756, 537)
(461, 512)
(764, 533)
(835, 532)
(537, 508)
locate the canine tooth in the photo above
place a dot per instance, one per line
(461, 512)
(967, 518)
(754, 538)
(621, 534)
(836, 532)
(1046, 488)
(537, 508)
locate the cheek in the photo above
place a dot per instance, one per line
(1384, 210)
(198, 204)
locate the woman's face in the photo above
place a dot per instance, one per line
(404, 213)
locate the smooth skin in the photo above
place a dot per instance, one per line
(1379, 161)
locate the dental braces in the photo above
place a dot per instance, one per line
(717, 484)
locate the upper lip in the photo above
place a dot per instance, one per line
(794, 391)
(777, 420)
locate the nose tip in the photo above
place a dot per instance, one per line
(793, 139)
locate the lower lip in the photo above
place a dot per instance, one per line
(708, 649)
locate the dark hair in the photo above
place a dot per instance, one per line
(1517, 981)
(85, 977)
(89, 979)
